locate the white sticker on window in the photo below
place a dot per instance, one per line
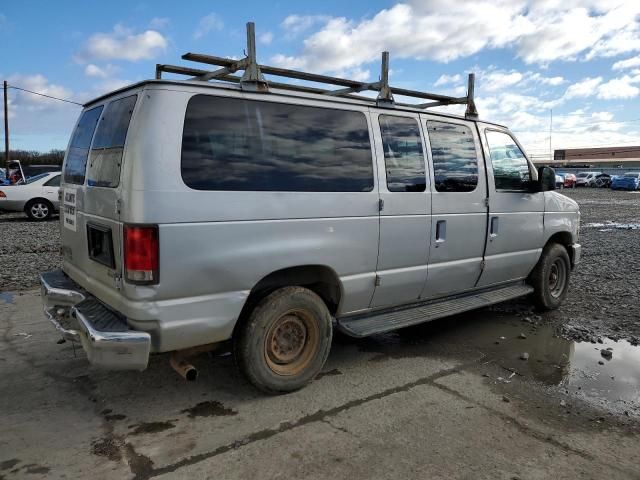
(69, 208)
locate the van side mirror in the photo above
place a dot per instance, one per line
(546, 179)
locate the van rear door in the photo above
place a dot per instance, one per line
(91, 231)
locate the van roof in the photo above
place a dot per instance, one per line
(215, 85)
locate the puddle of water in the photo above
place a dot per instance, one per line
(552, 360)
(608, 226)
(6, 297)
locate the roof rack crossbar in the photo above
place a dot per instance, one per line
(253, 79)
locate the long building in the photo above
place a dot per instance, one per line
(608, 157)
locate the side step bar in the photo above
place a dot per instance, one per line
(363, 326)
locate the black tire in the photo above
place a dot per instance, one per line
(285, 341)
(550, 277)
(38, 209)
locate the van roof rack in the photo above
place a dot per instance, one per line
(253, 80)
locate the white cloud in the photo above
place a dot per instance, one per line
(296, 24)
(540, 31)
(40, 84)
(265, 38)
(616, 88)
(123, 44)
(208, 24)
(619, 88)
(92, 70)
(159, 23)
(628, 63)
(447, 80)
(584, 88)
(498, 80)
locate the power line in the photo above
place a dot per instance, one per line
(43, 95)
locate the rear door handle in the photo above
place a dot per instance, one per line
(493, 229)
(441, 231)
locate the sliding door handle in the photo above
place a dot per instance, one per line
(441, 231)
(493, 229)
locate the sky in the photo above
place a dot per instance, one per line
(577, 61)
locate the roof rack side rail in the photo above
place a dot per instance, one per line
(253, 80)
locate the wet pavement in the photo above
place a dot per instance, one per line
(611, 382)
(453, 398)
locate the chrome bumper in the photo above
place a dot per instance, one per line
(104, 334)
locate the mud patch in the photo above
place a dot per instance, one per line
(114, 417)
(35, 469)
(8, 464)
(141, 465)
(150, 427)
(108, 447)
(329, 373)
(209, 409)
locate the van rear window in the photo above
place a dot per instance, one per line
(248, 145)
(105, 158)
(76, 161)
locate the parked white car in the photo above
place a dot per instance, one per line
(37, 197)
(586, 179)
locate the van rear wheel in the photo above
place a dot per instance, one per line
(550, 277)
(285, 341)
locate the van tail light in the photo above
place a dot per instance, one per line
(141, 254)
(2, 194)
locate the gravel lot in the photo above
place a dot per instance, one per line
(26, 249)
(604, 291)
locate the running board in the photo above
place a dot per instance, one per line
(363, 326)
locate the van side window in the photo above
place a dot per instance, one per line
(76, 162)
(105, 158)
(455, 161)
(510, 166)
(249, 145)
(403, 155)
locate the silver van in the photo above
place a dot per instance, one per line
(196, 213)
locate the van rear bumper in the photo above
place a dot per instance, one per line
(104, 333)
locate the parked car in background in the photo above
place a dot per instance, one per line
(569, 180)
(37, 197)
(559, 181)
(586, 179)
(602, 181)
(628, 181)
(18, 171)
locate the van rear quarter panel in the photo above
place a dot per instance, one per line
(219, 244)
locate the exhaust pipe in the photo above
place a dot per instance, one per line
(178, 360)
(184, 368)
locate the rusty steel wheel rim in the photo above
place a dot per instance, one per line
(292, 342)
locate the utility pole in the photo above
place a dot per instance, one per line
(551, 159)
(6, 130)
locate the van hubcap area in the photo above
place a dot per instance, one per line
(557, 278)
(291, 343)
(39, 210)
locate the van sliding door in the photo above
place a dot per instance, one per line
(459, 212)
(405, 207)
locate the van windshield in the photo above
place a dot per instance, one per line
(105, 158)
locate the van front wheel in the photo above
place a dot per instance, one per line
(285, 341)
(550, 277)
